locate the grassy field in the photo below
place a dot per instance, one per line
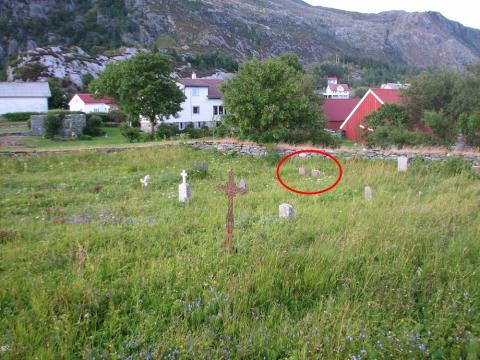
(92, 266)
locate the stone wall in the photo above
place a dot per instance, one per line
(369, 154)
(72, 125)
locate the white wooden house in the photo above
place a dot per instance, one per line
(203, 105)
(88, 104)
(18, 97)
(334, 90)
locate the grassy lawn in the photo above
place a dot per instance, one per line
(94, 266)
(113, 138)
(13, 127)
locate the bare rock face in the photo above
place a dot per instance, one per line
(260, 28)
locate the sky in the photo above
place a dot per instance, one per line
(463, 11)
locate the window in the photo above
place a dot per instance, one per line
(199, 125)
(220, 110)
(181, 126)
(215, 110)
(195, 92)
(196, 109)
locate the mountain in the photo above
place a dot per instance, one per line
(239, 28)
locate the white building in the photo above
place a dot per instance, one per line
(334, 90)
(88, 104)
(395, 86)
(24, 97)
(203, 105)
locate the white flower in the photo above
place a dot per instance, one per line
(145, 181)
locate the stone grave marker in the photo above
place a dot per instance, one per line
(476, 169)
(243, 184)
(368, 193)
(402, 163)
(302, 171)
(316, 173)
(286, 211)
(184, 192)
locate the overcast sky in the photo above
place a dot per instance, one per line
(466, 12)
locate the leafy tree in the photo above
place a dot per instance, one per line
(273, 100)
(470, 127)
(52, 125)
(388, 114)
(58, 100)
(142, 86)
(441, 126)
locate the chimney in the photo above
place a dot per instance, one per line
(194, 75)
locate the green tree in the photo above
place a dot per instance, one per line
(141, 86)
(388, 114)
(470, 127)
(441, 127)
(273, 100)
(58, 100)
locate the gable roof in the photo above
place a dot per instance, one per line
(333, 87)
(212, 85)
(384, 96)
(339, 109)
(24, 89)
(90, 100)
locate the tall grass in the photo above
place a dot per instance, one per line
(143, 276)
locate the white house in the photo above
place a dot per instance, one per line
(203, 105)
(395, 86)
(334, 90)
(88, 104)
(18, 97)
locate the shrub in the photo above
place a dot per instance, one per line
(441, 125)
(116, 116)
(52, 125)
(470, 126)
(165, 131)
(198, 133)
(94, 126)
(131, 133)
(22, 116)
(85, 137)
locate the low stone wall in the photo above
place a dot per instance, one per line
(72, 125)
(369, 154)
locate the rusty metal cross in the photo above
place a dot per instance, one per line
(231, 190)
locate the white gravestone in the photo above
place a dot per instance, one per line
(243, 184)
(184, 192)
(368, 193)
(145, 181)
(302, 171)
(316, 173)
(402, 163)
(286, 211)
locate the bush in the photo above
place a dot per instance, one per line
(116, 116)
(443, 129)
(166, 131)
(198, 133)
(94, 126)
(85, 137)
(22, 116)
(52, 125)
(470, 126)
(62, 112)
(131, 133)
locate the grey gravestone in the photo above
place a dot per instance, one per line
(200, 167)
(476, 169)
(402, 163)
(243, 184)
(286, 211)
(36, 122)
(184, 192)
(316, 173)
(368, 193)
(302, 171)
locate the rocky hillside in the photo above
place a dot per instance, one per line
(237, 27)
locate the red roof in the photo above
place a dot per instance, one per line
(213, 86)
(89, 99)
(334, 87)
(337, 110)
(388, 96)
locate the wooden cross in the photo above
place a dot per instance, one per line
(231, 190)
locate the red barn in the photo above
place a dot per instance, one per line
(337, 110)
(372, 101)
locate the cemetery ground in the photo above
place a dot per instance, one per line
(92, 265)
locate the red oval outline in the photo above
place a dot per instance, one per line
(306, 192)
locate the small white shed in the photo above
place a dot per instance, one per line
(18, 97)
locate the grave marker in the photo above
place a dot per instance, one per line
(316, 173)
(302, 171)
(184, 192)
(368, 193)
(402, 163)
(286, 211)
(476, 169)
(231, 190)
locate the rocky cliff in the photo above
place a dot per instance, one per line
(239, 27)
